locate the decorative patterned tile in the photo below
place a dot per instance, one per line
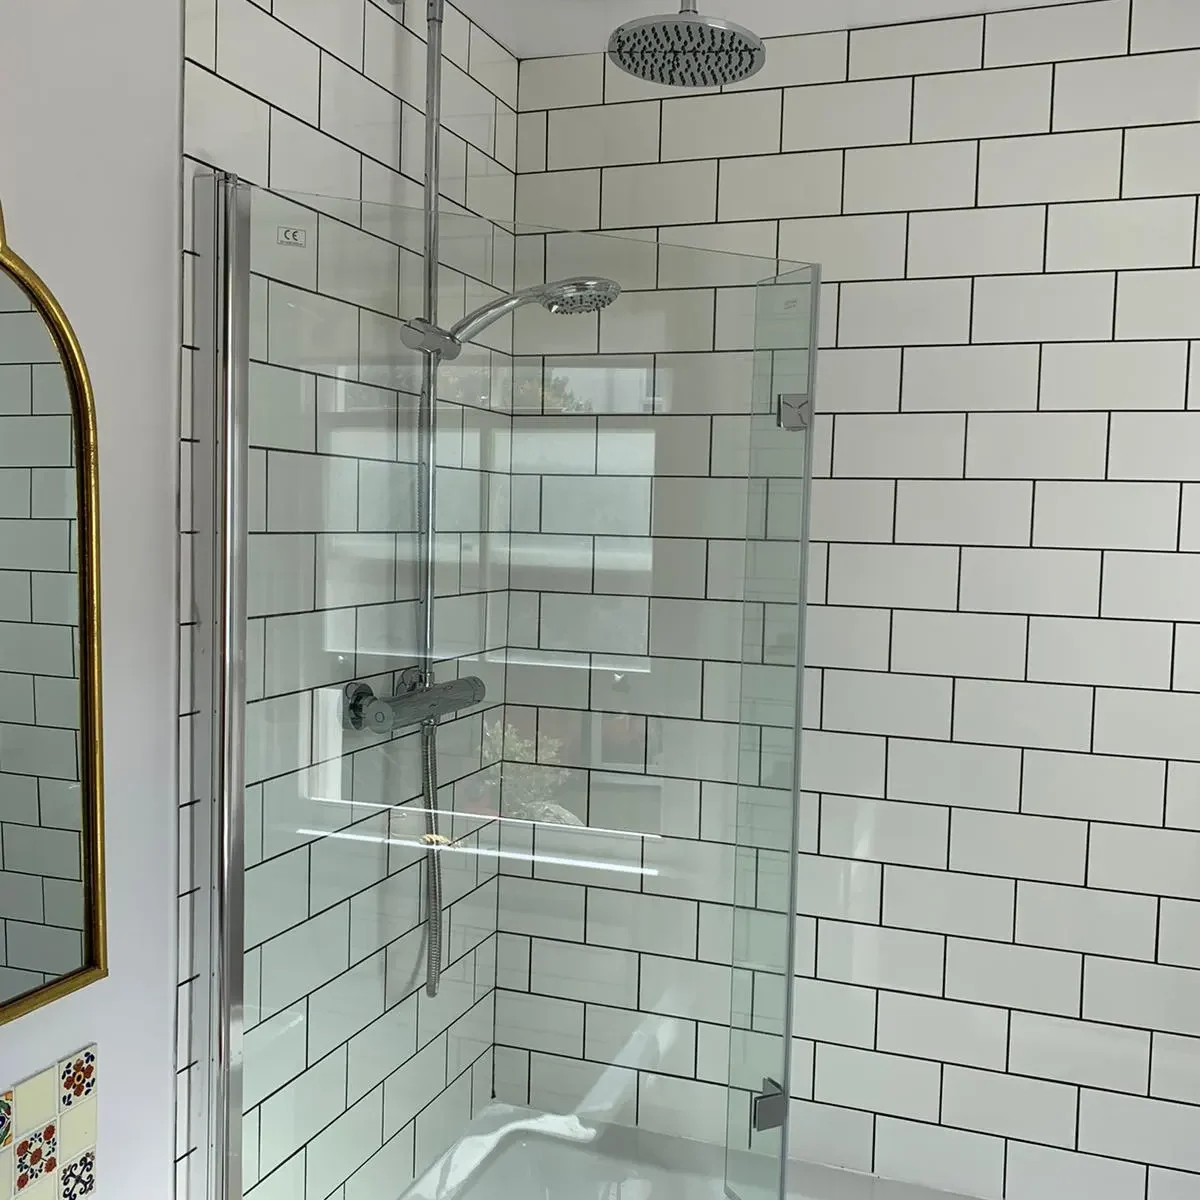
(77, 1077)
(78, 1177)
(6, 1119)
(36, 1156)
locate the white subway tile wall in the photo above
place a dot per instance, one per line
(41, 893)
(999, 883)
(353, 1074)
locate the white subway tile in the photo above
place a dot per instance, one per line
(845, 637)
(977, 241)
(946, 902)
(662, 194)
(861, 247)
(1179, 924)
(1139, 90)
(838, 888)
(1187, 659)
(905, 312)
(357, 111)
(1163, 25)
(804, 58)
(1086, 919)
(882, 1083)
(962, 644)
(1183, 796)
(1030, 308)
(1023, 714)
(603, 136)
(1109, 516)
(846, 114)
(955, 45)
(883, 830)
(629, 1039)
(1160, 587)
(1114, 375)
(1175, 1070)
(541, 909)
(840, 1137)
(1119, 234)
(977, 104)
(559, 199)
(1063, 32)
(1159, 862)
(1169, 1185)
(680, 987)
(954, 774)
(562, 82)
(974, 512)
(780, 185)
(699, 507)
(1158, 304)
(900, 178)
(842, 762)
(1037, 446)
(681, 1108)
(1020, 846)
(301, 1109)
(1143, 995)
(653, 924)
(1111, 653)
(887, 446)
(648, 321)
(1092, 787)
(947, 1160)
(970, 378)
(1050, 167)
(591, 973)
(893, 576)
(834, 1012)
(874, 956)
(875, 702)
(265, 57)
(225, 126)
(858, 380)
(852, 510)
(943, 1030)
(1147, 724)
(1155, 446)
(1040, 1173)
(1009, 1106)
(532, 131)
(1013, 976)
(529, 1022)
(721, 126)
(1141, 1130)
(1162, 160)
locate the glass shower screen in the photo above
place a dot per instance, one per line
(618, 557)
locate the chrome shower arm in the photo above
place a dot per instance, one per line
(473, 324)
(688, 6)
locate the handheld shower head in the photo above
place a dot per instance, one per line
(564, 297)
(686, 49)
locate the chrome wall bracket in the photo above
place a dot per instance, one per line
(768, 1109)
(793, 411)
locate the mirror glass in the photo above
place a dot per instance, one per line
(43, 816)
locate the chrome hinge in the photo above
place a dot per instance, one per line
(768, 1109)
(793, 410)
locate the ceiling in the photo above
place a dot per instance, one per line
(532, 28)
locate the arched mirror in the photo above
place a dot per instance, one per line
(52, 939)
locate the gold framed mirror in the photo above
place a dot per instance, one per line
(52, 920)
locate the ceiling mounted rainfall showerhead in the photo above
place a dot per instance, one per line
(687, 49)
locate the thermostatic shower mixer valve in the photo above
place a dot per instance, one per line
(363, 710)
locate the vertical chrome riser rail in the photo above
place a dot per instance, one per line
(221, 429)
(427, 490)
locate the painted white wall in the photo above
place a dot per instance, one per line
(89, 180)
(532, 28)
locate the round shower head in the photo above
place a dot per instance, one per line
(687, 49)
(570, 297)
